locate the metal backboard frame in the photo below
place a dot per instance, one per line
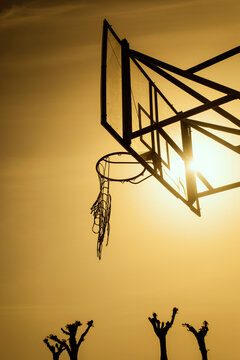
(152, 158)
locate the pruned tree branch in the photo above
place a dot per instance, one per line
(190, 328)
(169, 324)
(51, 347)
(65, 332)
(202, 332)
(89, 325)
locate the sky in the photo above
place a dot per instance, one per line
(160, 254)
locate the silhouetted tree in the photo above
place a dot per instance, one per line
(71, 344)
(161, 331)
(200, 336)
(55, 349)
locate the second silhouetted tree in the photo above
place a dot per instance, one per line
(161, 331)
(200, 336)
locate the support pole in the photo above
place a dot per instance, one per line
(188, 157)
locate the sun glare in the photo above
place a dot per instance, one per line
(216, 163)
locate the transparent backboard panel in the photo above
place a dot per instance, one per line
(114, 83)
(139, 98)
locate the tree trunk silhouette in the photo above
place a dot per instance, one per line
(161, 331)
(71, 344)
(200, 337)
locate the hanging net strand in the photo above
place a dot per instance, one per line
(101, 209)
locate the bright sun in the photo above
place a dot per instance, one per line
(215, 162)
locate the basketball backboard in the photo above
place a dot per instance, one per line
(139, 100)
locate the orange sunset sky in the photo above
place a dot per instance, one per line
(160, 254)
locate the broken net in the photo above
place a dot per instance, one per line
(101, 209)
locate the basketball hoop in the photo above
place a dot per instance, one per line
(106, 159)
(101, 209)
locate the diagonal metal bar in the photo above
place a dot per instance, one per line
(217, 139)
(214, 60)
(211, 84)
(204, 180)
(213, 126)
(192, 92)
(219, 189)
(172, 143)
(183, 115)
